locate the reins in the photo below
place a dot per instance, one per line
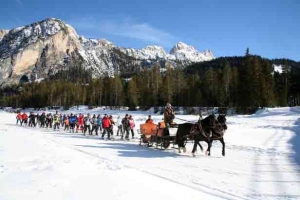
(185, 120)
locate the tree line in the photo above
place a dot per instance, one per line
(247, 81)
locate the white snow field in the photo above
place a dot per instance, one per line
(262, 162)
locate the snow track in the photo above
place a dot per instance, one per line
(260, 162)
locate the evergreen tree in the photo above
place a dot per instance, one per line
(285, 73)
(179, 86)
(210, 87)
(132, 93)
(255, 73)
(267, 85)
(234, 87)
(247, 52)
(156, 84)
(117, 90)
(193, 92)
(167, 89)
(226, 82)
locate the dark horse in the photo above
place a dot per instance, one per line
(207, 130)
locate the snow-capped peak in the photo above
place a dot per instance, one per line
(208, 53)
(180, 46)
(154, 48)
(23, 36)
(96, 43)
(157, 50)
(183, 52)
(43, 29)
(105, 43)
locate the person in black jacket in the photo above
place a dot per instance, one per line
(126, 126)
(43, 120)
(49, 120)
(31, 122)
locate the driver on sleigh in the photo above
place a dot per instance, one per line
(169, 115)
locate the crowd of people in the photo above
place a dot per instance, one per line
(86, 124)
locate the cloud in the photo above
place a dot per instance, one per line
(127, 28)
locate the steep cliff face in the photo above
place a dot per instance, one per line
(40, 49)
(3, 33)
(37, 48)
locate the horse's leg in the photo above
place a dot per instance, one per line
(178, 141)
(183, 145)
(200, 146)
(195, 146)
(180, 144)
(209, 143)
(223, 146)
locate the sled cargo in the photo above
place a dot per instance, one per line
(148, 133)
(158, 134)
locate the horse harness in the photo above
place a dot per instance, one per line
(197, 129)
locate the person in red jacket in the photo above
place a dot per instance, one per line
(106, 123)
(80, 123)
(24, 118)
(149, 120)
(112, 123)
(19, 118)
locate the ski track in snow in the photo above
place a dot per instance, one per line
(259, 162)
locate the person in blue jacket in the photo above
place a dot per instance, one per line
(72, 121)
(99, 124)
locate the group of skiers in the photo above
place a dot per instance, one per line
(87, 124)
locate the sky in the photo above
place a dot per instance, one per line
(270, 28)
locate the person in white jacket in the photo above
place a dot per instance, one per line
(120, 126)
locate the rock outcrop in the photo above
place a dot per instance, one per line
(3, 33)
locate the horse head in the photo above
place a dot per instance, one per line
(222, 121)
(212, 120)
(222, 118)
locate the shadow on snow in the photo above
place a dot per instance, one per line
(133, 150)
(295, 141)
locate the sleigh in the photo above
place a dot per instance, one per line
(165, 136)
(148, 133)
(158, 134)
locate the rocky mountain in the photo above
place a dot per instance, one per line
(38, 50)
(3, 33)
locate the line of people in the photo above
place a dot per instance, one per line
(78, 122)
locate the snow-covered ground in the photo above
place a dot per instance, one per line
(262, 162)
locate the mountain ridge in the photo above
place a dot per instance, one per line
(39, 49)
